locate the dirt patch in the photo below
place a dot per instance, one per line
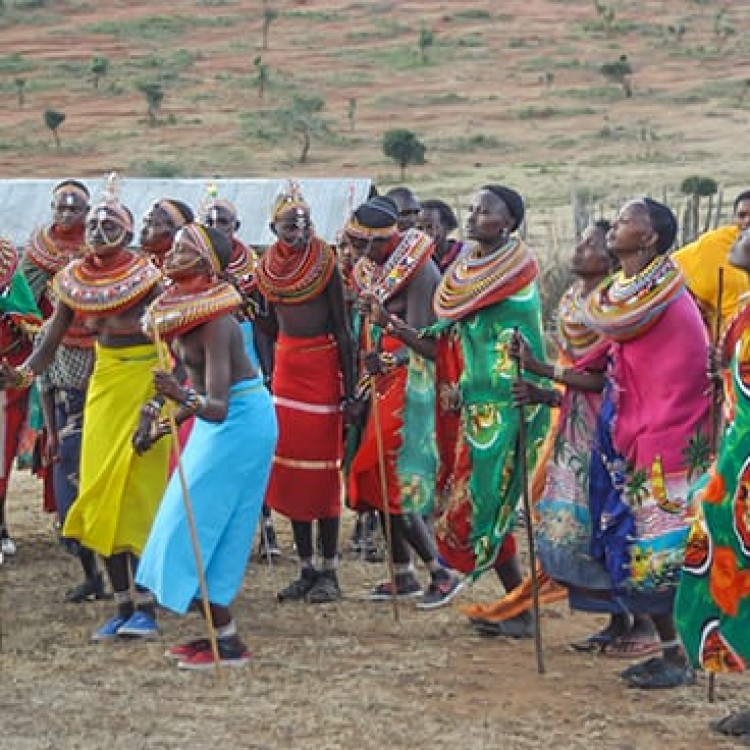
(326, 677)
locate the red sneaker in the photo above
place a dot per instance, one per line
(184, 650)
(229, 656)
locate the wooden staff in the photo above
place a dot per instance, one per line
(388, 530)
(715, 422)
(529, 522)
(212, 637)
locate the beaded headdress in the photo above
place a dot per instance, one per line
(109, 206)
(376, 218)
(290, 197)
(179, 213)
(196, 237)
(69, 188)
(8, 262)
(211, 204)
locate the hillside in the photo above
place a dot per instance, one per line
(509, 91)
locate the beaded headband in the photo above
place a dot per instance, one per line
(211, 204)
(68, 188)
(360, 231)
(196, 237)
(109, 207)
(290, 197)
(8, 261)
(172, 210)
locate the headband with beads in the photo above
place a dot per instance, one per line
(109, 207)
(290, 197)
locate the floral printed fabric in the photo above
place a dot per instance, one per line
(713, 601)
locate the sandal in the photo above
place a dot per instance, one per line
(599, 641)
(667, 675)
(631, 647)
(735, 724)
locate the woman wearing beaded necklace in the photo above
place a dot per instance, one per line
(119, 491)
(485, 295)
(650, 436)
(227, 460)
(561, 481)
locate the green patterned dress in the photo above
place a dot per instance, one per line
(712, 609)
(479, 479)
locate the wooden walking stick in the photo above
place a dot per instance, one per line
(212, 637)
(388, 530)
(529, 522)
(715, 423)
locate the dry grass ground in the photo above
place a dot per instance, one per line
(326, 677)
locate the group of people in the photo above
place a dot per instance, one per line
(394, 371)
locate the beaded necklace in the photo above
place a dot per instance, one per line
(177, 311)
(92, 285)
(573, 334)
(475, 281)
(412, 252)
(242, 266)
(624, 308)
(292, 277)
(50, 249)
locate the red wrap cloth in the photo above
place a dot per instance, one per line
(306, 480)
(364, 489)
(14, 403)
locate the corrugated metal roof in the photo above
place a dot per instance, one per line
(25, 204)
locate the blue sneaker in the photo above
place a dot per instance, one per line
(109, 629)
(139, 625)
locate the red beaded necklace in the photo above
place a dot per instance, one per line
(290, 276)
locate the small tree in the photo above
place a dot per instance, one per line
(619, 72)
(351, 111)
(426, 40)
(404, 148)
(20, 91)
(53, 119)
(154, 96)
(261, 76)
(306, 121)
(99, 68)
(269, 16)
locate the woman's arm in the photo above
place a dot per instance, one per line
(342, 333)
(588, 380)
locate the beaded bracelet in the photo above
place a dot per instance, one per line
(24, 377)
(558, 373)
(193, 401)
(162, 427)
(153, 407)
(395, 327)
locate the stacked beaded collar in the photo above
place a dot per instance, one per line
(474, 282)
(291, 276)
(413, 250)
(574, 334)
(51, 249)
(624, 308)
(178, 310)
(92, 285)
(242, 266)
